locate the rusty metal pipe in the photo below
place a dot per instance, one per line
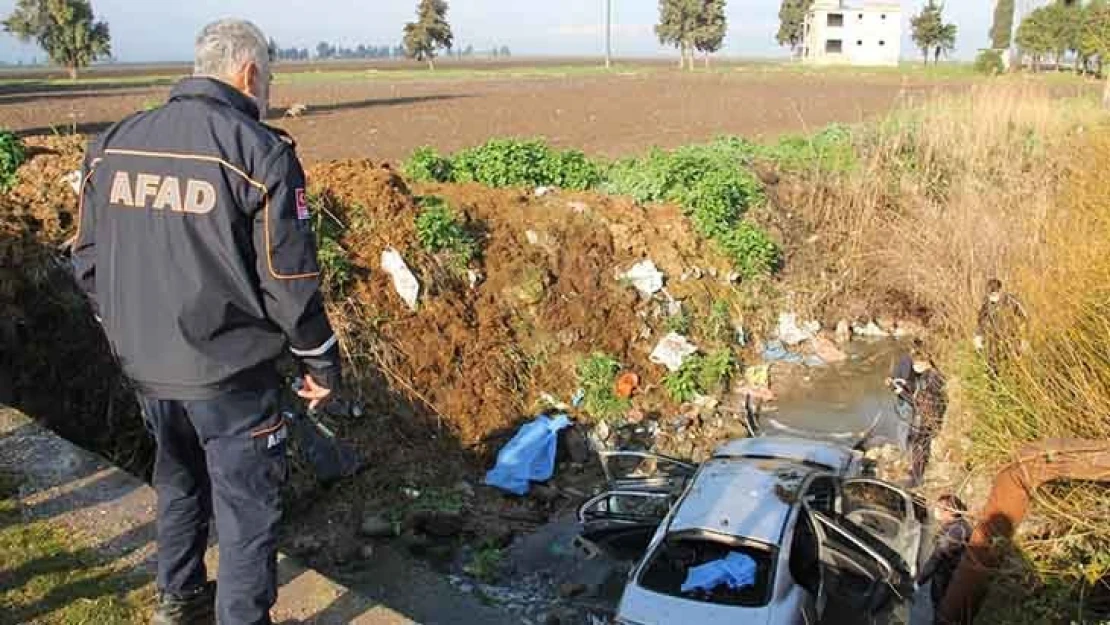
(1037, 464)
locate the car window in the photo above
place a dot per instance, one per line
(630, 506)
(820, 495)
(878, 508)
(805, 565)
(636, 467)
(670, 565)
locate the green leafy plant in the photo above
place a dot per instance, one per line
(597, 375)
(335, 263)
(700, 375)
(439, 229)
(508, 163)
(485, 566)
(682, 385)
(752, 251)
(830, 150)
(718, 325)
(681, 322)
(12, 156)
(427, 165)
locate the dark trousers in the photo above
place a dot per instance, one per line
(224, 456)
(921, 447)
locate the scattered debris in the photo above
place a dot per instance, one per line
(646, 277)
(474, 278)
(626, 385)
(529, 456)
(296, 110)
(790, 333)
(871, 329)
(532, 237)
(672, 351)
(404, 281)
(544, 191)
(73, 179)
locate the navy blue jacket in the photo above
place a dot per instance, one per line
(195, 247)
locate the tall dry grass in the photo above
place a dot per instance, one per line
(1003, 181)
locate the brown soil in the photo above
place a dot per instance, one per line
(608, 115)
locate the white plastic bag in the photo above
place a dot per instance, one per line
(403, 280)
(672, 351)
(646, 277)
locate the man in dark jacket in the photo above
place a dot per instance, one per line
(930, 403)
(196, 249)
(949, 547)
(1000, 325)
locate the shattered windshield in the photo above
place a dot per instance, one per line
(670, 569)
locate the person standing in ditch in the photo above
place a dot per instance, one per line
(949, 546)
(903, 382)
(1000, 324)
(930, 405)
(196, 250)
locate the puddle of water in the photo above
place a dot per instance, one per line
(845, 397)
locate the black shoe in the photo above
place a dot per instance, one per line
(197, 607)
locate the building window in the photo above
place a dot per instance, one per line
(883, 16)
(836, 20)
(859, 42)
(834, 46)
(882, 43)
(861, 16)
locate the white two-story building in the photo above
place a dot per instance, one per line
(853, 32)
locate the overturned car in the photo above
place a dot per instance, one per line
(775, 530)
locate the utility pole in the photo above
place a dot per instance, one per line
(608, 34)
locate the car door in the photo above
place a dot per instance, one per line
(857, 579)
(622, 523)
(887, 513)
(642, 471)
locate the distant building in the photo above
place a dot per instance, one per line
(859, 32)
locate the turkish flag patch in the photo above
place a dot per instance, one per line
(302, 205)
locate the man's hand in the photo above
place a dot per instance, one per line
(312, 392)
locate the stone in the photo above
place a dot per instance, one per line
(436, 523)
(376, 526)
(827, 350)
(571, 589)
(843, 331)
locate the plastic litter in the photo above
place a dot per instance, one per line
(404, 281)
(672, 351)
(735, 570)
(775, 351)
(529, 456)
(646, 277)
(73, 179)
(627, 383)
(790, 333)
(578, 397)
(871, 329)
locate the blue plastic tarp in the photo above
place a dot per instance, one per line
(775, 351)
(529, 456)
(735, 570)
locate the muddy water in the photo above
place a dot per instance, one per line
(845, 400)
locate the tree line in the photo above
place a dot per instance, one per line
(1052, 32)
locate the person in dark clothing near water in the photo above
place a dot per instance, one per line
(1001, 321)
(930, 401)
(903, 382)
(951, 541)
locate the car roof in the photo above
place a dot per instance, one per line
(742, 497)
(834, 457)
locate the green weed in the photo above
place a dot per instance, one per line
(427, 165)
(336, 268)
(680, 323)
(701, 375)
(485, 566)
(524, 162)
(439, 230)
(597, 375)
(12, 156)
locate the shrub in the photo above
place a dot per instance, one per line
(426, 165)
(524, 162)
(12, 156)
(700, 375)
(751, 250)
(336, 268)
(597, 376)
(989, 62)
(830, 150)
(439, 230)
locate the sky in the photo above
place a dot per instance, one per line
(163, 30)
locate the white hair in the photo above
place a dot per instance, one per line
(224, 47)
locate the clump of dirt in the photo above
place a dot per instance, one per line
(547, 293)
(55, 363)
